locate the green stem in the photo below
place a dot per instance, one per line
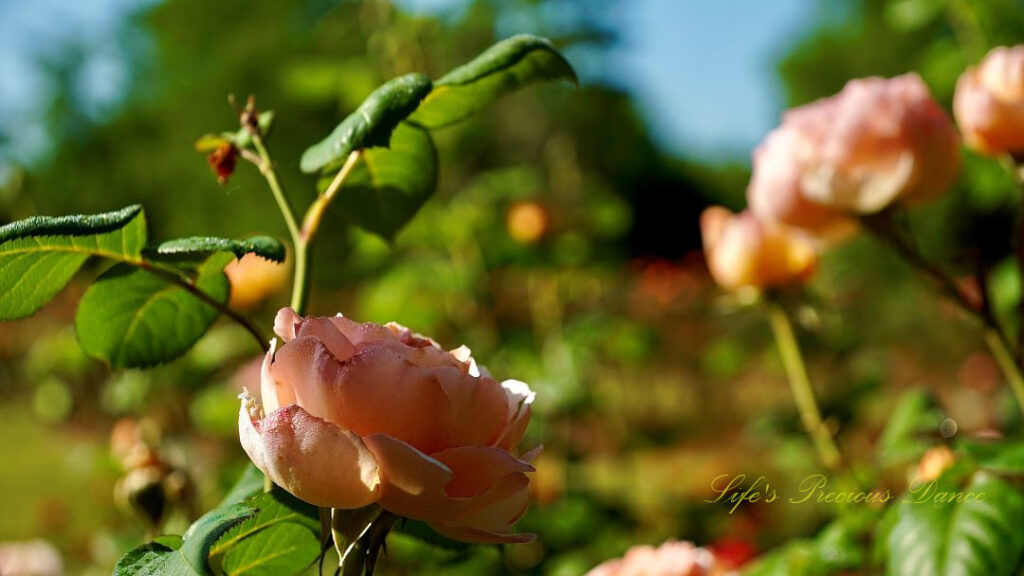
(300, 286)
(800, 385)
(299, 243)
(266, 167)
(175, 277)
(1010, 369)
(307, 235)
(995, 336)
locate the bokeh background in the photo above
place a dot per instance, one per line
(562, 246)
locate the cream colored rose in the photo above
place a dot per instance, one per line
(743, 251)
(877, 142)
(670, 559)
(362, 413)
(989, 103)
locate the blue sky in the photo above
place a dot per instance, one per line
(705, 69)
(702, 69)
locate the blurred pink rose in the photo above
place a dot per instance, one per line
(876, 142)
(989, 103)
(362, 413)
(30, 558)
(670, 559)
(775, 192)
(742, 251)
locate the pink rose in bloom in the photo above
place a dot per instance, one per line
(362, 413)
(670, 559)
(877, 142)
(743, 251)
(775, 192)
(989, 103)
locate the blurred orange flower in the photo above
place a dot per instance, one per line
(989, 103)
(742, 251)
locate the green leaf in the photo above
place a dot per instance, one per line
(905, 438)
(501, 69)
(281, 549)
(389, 185)
(1001, 457)
(249, 484)
(979, 536)
(133, 318)
(262, 246)
(38, 256)
(187, 556)
(274, 507)
(280, 539)
(838, 547)
(371, 124)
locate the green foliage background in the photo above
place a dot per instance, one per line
(649, 384)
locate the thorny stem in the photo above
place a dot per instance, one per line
(800, 385)
(1017, 172)
(995, 336)
(176, 277)
(1009, 367)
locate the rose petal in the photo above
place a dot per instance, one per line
(478, 468)
(479, 409)
(285, 323)
(412, 483)
(493, 512)
(520, 397)
(358, 334)
(325, 331)
(381, 390)
(305, 366)
(274, 394)
(464, 534)
(313, 459)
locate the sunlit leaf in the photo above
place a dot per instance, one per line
(262, 246)
(132, 318)
(38, 256)
(371, 124)
(905, 438)
(279, 550)
(389, 185)
(501, 69)
(185, 556)
(980, 535)
(281, 538)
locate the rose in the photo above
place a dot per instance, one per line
(876, 142)
(989, 103)
(362, 413)
(670, 559)
(743, 251)
(776, 192)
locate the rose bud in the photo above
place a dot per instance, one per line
(989, 103)
(876, 142)
(742, 251)
(358, 414)
(670, 559)
(776, 192)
